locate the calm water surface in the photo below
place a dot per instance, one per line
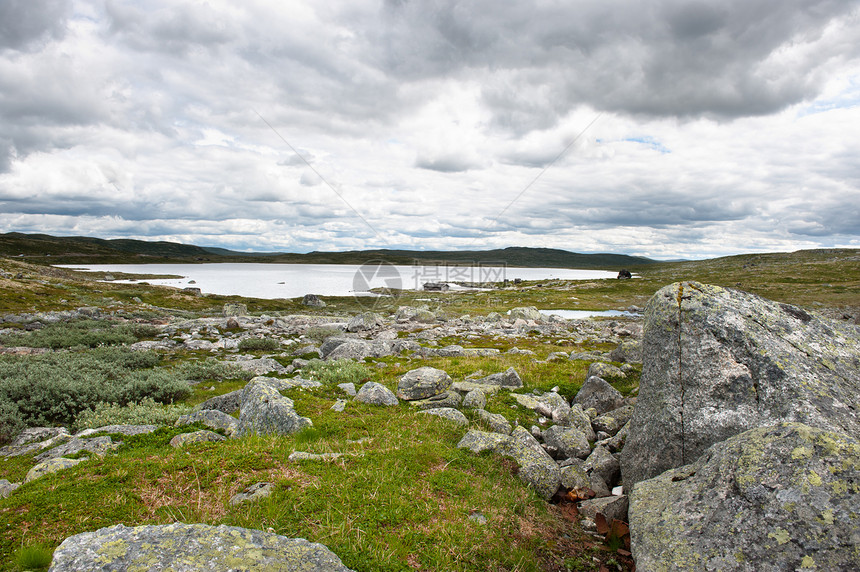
(270, 281)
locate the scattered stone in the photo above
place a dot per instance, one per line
(612, 422)
(376, 394)
(7, 488)
(313, 301)
(464, 387)
(35, 439)
(182, 547)
(233, 309)
(261, 366)
(202, 436)
(265, 411)
(253, 493)
(49, 466)
(363, 322)
(574, 477)
(510, 378)
(605, 370)
(536, 467)
(449, 398)
(603, 464)
(213, 419)
(597, 393)
(227, 403)
(448, 413)
(475, 399)
(422, 383)
(746, 362)
(297, 456)
(629, 351)
(96, 445)
(609, 506)
(339, 405)
(478, 517)
(480, 352)
(348, 388)
(526, 313)
(481, 441)
(496, 422)
(779, 497)
(569, 441)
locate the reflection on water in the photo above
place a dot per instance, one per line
(270, 281)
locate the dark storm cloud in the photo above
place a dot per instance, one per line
(24, 23)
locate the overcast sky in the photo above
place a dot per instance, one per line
(659, 128)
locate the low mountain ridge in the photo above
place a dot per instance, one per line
(43, 248)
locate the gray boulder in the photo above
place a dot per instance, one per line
(7, 488)
(364, 321)
(526, 313)
(611, 507)
(603, 464)
(313, 301)
(98, 446)
(782, 497)
(265, 411)
(628, 351)
(449, 398)
(213, 419)
(253, 493)
(422, 383)
(202, 436)
(719, 362)
(448, 413)
(481, 441)
(574, 477)
(536, 467)
(227, 403)
(376, 394)
(508, 378)
(475, 399)
(578, 418)
(605, 371)
(496, 422)
(348, 349)
(182, 547)
(597, 393)
(233, 309)
(569, 442)
(612, 422)
(50, 466)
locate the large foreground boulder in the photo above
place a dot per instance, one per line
(782, 497)
(718, 362)
(190, 547)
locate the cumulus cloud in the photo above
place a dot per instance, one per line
(666, 128)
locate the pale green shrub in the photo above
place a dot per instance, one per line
(259, 344)
(81, 333)
(147, 412)
(212, 369)
(336, 371)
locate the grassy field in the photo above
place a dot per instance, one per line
(402, 496)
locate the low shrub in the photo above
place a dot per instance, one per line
(147, 412)
(11, 421)
(54, 388)
(336, 371)
(212, 369)
(81, 333)
(259, 344)
(320, 333)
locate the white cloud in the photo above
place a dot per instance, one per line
(721, 125)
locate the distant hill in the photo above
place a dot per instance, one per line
(46, 249)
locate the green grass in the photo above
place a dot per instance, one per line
(34, 557)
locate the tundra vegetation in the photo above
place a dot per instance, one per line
(402, 496)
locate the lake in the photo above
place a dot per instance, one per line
(271, 281)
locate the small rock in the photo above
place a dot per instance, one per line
(49, 466)
(448, 413)
(475, 399)
(202, 436)
(597, 393)
(376, 394)
(253, 493)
